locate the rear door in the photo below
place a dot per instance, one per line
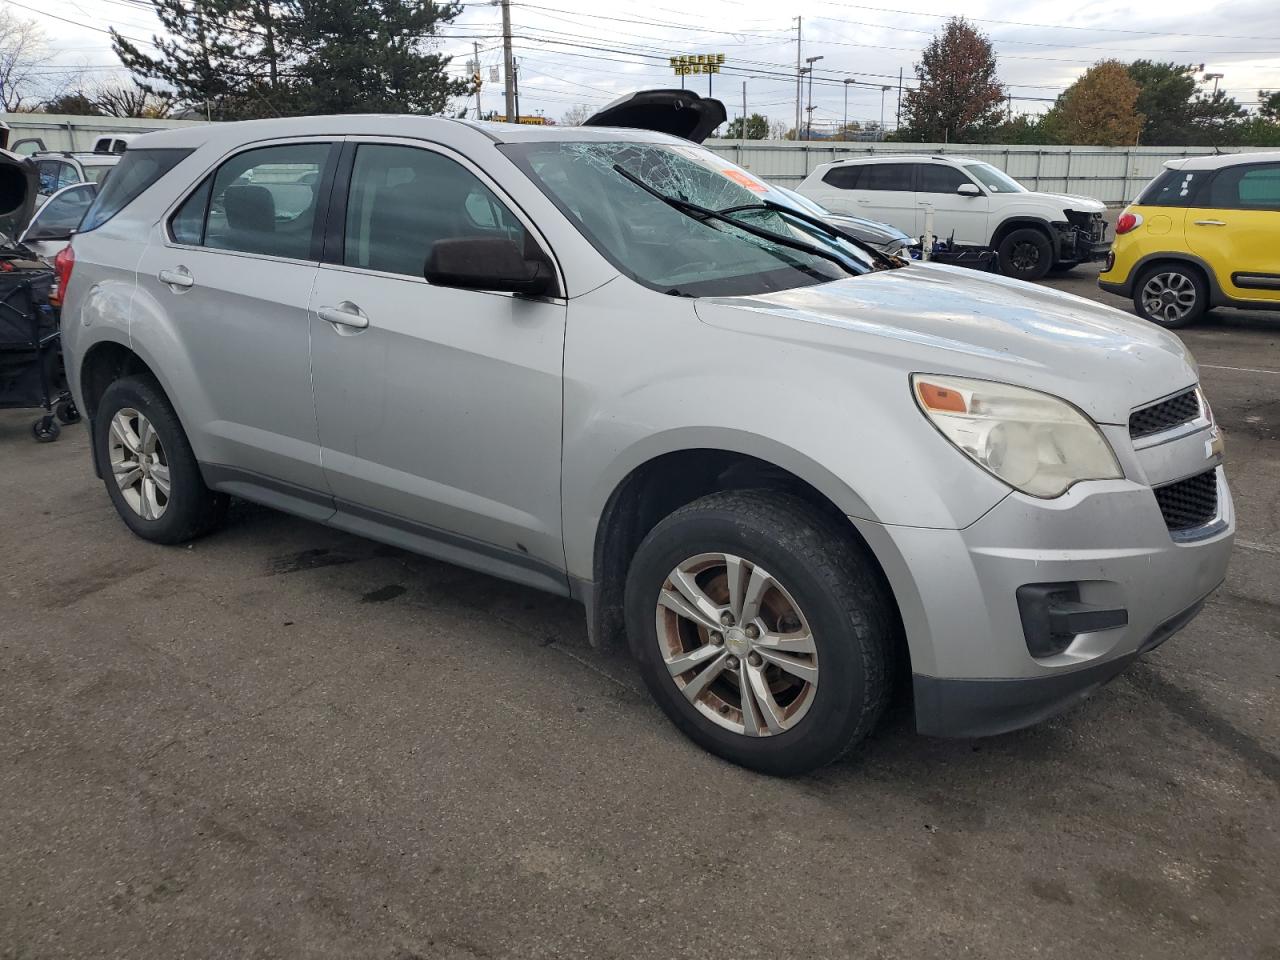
(233, 279)
(953, 213)
(1237, 230)
(439, 408)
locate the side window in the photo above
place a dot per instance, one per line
(937, 178)
(887, 176)
(1254, 187)
(1173, 188)
(404, 199)
(62, 213)
(187, 225)
(56, 174)
(843, 178)
(263, 201)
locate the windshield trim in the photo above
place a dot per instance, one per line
(973, 167)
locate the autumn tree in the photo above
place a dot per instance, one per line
(757, 128)
(957, 96)
(1098, 109)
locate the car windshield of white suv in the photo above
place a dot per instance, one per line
(669, 215)
(997, 181)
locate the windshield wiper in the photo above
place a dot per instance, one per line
(808, 218)
(701, 213)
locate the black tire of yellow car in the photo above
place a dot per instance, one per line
(1026, 254)
(1192, 315)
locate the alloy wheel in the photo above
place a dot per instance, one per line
(1026, 256)
(737, 644)
(138, 463)
(1170, 297)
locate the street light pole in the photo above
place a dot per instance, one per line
(883, 91)
(1215, 77)
(808, 127)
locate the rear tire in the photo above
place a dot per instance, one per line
(1171, 295)
(149, 469)
(1026, 254)
(821, 613)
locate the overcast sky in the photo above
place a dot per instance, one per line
(574, 52)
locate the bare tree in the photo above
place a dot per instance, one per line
(576, 116)
(132, 101)
(22, 51)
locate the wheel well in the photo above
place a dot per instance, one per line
(661, 486)
(103, 365)
(1145, 268)
(1009, 226)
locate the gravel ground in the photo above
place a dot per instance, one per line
(283, 741)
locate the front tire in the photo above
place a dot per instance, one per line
(762, 632)
(1171, 295)
(1026, 254)
(149, 469)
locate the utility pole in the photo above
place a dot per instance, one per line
(508, 63)
(798, 75)
(808, 128)
(844, 131)
(515, 87)
(897, 124)
(479, 111)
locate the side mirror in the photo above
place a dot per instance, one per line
(969, 190)
(487, 263)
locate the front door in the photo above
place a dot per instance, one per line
(1237, 232)
(439, 409)
(233, 277)
(954, 214)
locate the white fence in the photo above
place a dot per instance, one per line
(1111, 174)
(66, 132)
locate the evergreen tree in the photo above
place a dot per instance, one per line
(368, 57)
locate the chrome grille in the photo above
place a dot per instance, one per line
(1189, 503)
(1164, 415)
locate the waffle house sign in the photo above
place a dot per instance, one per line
(697, 63)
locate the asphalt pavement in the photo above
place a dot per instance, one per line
(283, 741)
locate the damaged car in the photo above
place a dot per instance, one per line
(782, 469)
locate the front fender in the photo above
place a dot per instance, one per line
(644, 377)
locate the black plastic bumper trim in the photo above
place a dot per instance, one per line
(983, 708)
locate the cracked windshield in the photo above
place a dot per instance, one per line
(666, 243)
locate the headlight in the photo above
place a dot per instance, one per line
(1032, 441)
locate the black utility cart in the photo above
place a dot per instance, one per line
(30, 350)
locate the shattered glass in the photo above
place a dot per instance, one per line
(659, 245)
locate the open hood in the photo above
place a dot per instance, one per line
(19, 184)
(681, 113)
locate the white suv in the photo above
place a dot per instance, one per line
(974, 205)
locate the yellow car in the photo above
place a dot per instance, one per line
(1204, 233)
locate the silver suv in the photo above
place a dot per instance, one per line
(611, 365)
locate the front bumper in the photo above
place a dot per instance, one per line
(957, 594)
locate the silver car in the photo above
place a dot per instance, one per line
(611, 365)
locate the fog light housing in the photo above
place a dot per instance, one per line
(1053, 616)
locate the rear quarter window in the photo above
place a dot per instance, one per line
(1174, 188)
(136, 171)
(843, 178)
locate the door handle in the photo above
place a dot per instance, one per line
(1211, 223)
(344, 315)
(177, 278)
